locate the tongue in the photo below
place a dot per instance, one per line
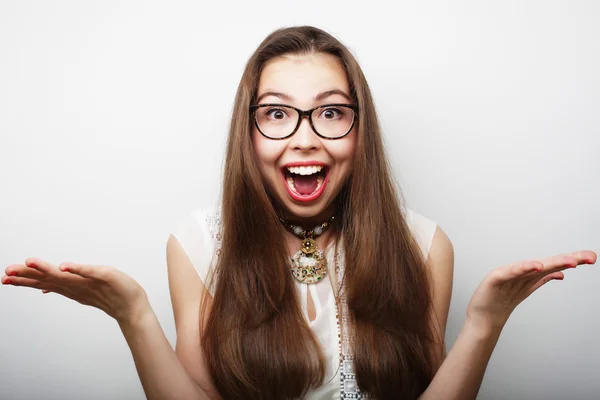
(305, 184)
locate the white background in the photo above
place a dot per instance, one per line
(113, 119)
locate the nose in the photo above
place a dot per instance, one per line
(305, 139)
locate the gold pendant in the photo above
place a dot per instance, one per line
(309, 267)
(309, 246)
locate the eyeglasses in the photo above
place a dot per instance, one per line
(280, 121)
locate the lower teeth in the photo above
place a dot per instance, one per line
(290, 182)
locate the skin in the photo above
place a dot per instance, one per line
(166, 374)
(302, 78)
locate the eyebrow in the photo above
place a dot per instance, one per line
(318, 97)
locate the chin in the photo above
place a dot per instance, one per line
(293, 210)
(303, 211)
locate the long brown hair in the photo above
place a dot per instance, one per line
(256, 342)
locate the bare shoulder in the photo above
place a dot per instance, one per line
(186, 289)
(441, 253)
(440, 261)
(185, 285)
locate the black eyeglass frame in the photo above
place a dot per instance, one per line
(308, 114)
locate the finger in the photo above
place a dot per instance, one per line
(35, 284)
(41, 266)
(552, 267)
(526, 267)
(572, 260)
(534, 269)
(95, 272)
(556, 275)
(555, 264)
(545, 279)
(19, 281)
(584, 256)
(23, 271)
(47, 271)
(515, 270)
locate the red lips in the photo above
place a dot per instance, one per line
(312, 196)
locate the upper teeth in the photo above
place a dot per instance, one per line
(305, 170)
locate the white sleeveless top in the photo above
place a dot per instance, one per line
(200, 236)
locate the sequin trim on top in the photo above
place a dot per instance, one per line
(348, 386)
(215, 226)
(214, 223)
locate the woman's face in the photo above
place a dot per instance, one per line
(304, 81)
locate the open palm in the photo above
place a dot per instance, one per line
(103, 287)
(507, 286)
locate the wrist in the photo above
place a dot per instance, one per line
(484, 328)
(136, 315)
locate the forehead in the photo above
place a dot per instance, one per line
(303, 76)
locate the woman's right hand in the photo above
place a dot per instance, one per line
(103, 287)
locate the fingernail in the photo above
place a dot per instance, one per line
(7, 282)
(12, 273)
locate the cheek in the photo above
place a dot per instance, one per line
(343, 152)
(266, 151)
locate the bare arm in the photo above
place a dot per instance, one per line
(164, 373)
(160, 371)
(461, 373)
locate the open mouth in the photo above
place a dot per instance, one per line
(305, 183)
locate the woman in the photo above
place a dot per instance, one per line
(310, 279)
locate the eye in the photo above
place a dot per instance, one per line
(331, 113)
(276, 113)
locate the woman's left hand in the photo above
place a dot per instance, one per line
(505, 287)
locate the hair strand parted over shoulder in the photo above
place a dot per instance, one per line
(256, 341)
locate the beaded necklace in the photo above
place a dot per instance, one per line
(308, 264)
